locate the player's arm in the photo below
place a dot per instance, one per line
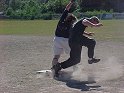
(65, 13)
(88, 33)
(90, 24)
(69, 5)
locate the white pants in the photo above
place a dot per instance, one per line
(61, 45)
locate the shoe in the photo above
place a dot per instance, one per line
(54, 63)
(93, 60)
(55, 70)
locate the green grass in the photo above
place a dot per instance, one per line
(30, 27)
(112, 29)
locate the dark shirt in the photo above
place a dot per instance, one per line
(76, 33)
(62, 29)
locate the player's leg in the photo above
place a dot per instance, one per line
(75, 57)
(67, 49)
(58, 50)
(65, 45)
(90, 44)
(55, 59)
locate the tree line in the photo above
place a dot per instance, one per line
(35, 9)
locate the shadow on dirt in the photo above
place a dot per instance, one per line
(82, 85)
(66, 76)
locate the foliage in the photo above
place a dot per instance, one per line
(46, 16)
(27, 9)
(2, 5)
(56, 6)
(95, 12)
(39, 9)
(31, 9)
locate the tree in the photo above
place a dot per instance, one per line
(2, 5)
(26, 9)
(107, 5)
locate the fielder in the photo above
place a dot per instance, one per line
(62, 33)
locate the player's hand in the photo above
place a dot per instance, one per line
(91, 34)
(99, 24)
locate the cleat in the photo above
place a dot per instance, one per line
(55, 70)
(93, 60)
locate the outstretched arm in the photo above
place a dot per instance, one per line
(69, 5)
(88, 23)
(65, 13)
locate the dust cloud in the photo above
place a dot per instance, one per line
(106, 70)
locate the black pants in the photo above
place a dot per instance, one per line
(75, 53)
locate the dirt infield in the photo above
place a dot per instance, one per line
(22, 56)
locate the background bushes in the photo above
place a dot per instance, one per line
(45, 9)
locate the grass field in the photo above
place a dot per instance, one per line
(112, 29)
(35, 27)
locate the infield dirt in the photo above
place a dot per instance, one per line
(22, 56)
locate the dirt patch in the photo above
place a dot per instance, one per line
(22, 56)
